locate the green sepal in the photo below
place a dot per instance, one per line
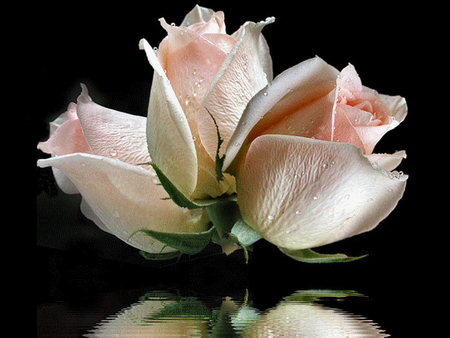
(160, 256)
(230, 226)
(223, 215)
(244, 233)
(179, 198)
(186, 243)
(310, 256)
(219, 160)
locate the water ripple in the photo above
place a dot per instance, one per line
(305, 313)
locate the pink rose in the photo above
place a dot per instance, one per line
(289, 159)
(306, 174)
(97, 151)
(196, 70)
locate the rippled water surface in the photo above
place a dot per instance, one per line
(304, 313)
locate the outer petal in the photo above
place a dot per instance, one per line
(387, 161)
(288, 92)
(169, 138)
(66, 135)
(301, 193)
(362, 115)
(191, 62)
(111, 133)
(124, 198)
(247, 69)
(197, 15)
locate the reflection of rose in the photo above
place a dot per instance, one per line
(296, 316)
(311, 320)
(152, 318)
(299, 316)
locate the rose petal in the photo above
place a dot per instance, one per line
(388, 161)
(371, 114)
(124, 198)
(197, 15)
(111, 133)
(247, 69)
(66, 135)
(288, 92)
(169, 137)
(300, 193)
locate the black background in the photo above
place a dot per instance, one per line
(394, 48)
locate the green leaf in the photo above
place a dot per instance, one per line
(160, 256)
(310, 256)
(219, 160)
(186, 243)
(179, 198)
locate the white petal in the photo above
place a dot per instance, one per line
(111, 133)
(309, 80)
(169, 137)
(247, 69)
(301, 193)
(124, 198)
(197, 14)
(388, 161)
(398, 107)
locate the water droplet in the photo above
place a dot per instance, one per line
(173, 24)
(298, 212)
(316, 197)
(113, 152)
(265, 93)
(116, 214)
(288, 231)
(325, 165)
(187, 100)
(270, 218)
(155, 49)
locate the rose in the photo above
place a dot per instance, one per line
(298, 184)
(203, 78)
(299, 147)
(97, 151)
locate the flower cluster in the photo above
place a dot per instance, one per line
(230, 154)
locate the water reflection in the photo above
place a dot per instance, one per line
(303, 314)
